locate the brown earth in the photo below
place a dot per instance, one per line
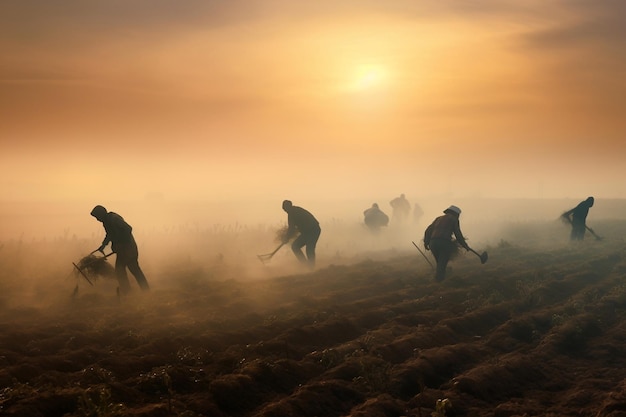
(533, 332)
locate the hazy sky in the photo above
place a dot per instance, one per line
(108, 100)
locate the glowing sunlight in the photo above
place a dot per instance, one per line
(368, 77)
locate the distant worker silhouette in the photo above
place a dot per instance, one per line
(401, 209)
(301, 221)
(375, 218)
(438, 239)
(577, 217)
(417, 213)
(123, 244)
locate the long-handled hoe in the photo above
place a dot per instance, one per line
(266, 257)
(424, 255)
(567, 220)
(483, 256)
(594, 233)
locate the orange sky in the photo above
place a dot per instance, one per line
(111, 100)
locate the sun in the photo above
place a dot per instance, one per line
(368, 77)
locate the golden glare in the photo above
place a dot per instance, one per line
(368, 77)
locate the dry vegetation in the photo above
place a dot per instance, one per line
(538, 330)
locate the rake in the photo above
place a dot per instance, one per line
(267, 256)
(82, 267)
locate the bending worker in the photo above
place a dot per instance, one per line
(578, 218)
(438, 239)
(300, 220)
(375, 218)
(123, 244)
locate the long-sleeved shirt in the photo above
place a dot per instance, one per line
(443, 227)
(375, 217)
(117, 230)
(299, 219)
(579, 213)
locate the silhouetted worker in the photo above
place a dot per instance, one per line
(438, 239)
(119, 233)
(417, 213)
(301, 221)
(401, 209)
(578, 218)
(375, 218)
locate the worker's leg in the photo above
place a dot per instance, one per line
(578, 231)
(311, 243)
(120, 273)
(440, 249)
(134, 268)
(296, 247)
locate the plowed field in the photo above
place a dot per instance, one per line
(533, 332)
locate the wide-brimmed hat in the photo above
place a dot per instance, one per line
(453, 209)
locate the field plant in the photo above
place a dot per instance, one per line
(618, 292)
(525, 288)
(374, 375)
(441, 408)
(503, 244)
(559, 319)
(97, 403)
(97, 374)
(194, 356)
(329, 358)
(367, 342)
(14, 393)
(489, 298)
(157, 381)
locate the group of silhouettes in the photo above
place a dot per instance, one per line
(302, 226)
(442, 237)
(375, 218)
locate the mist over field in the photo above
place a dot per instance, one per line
(194, 241)
(220, 333)
(194, 120)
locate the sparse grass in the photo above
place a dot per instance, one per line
(374, 375)
(157, 380)
(276, 343)
(559, 319)
(442, 406)
(194, 356)
(16, 392)
(96, 402)
(503, 244)
(329, 358)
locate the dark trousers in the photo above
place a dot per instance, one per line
(578, 230)
(127, 257)
(308, 239)
(442, 250)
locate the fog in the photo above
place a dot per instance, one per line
(194, 122)
(190, 243)
(154, 215)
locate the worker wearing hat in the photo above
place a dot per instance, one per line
(438, 239)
